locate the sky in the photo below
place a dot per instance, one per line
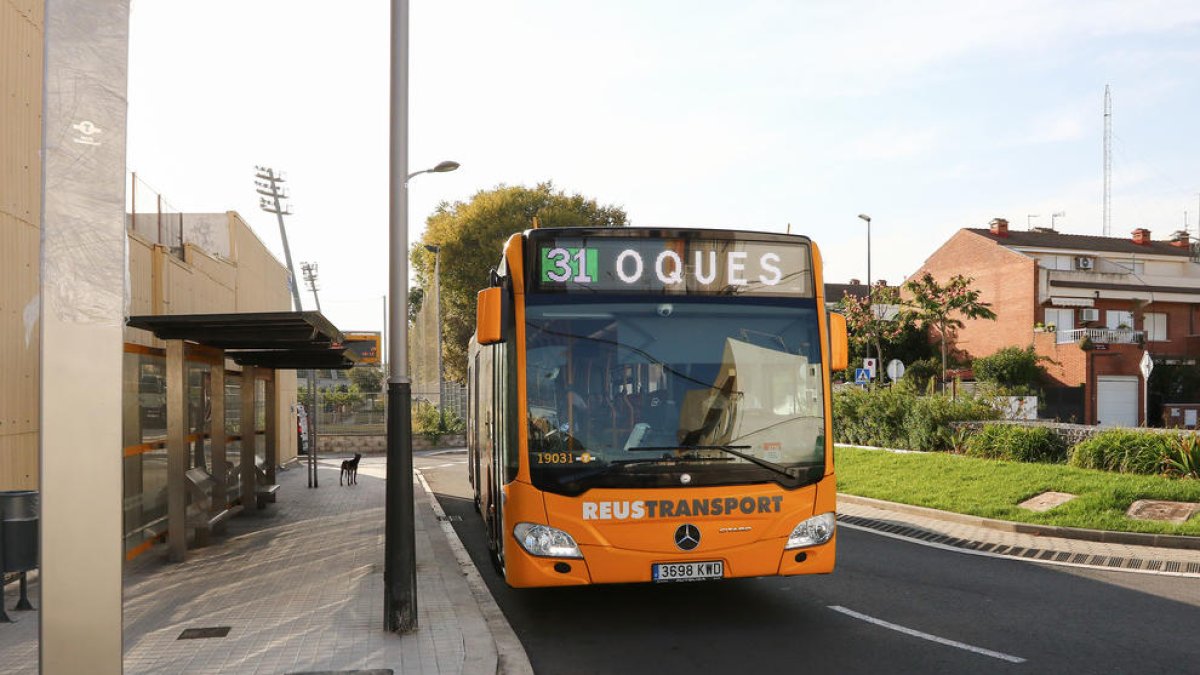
(929, 116)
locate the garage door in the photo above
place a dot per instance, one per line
(1117, 400)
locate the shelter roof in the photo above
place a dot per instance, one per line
(281, 340)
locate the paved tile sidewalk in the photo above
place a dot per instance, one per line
(300, 584)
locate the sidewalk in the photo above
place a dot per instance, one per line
(300, 587)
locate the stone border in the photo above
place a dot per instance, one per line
(1102, 536)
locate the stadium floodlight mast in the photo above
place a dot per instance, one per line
(400, 558)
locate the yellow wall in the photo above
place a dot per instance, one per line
(248, 279)
(21, 23)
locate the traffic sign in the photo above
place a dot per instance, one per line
(895, 369)
(869, 366)
(1147, 365)
(861, 376)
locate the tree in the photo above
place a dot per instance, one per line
(368, 378)
(942, 308)
(1012, 369)
(867, 321)
(471, 236)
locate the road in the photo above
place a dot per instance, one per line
(892, 606)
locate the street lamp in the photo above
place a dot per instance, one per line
(870, 295)
(442, 167)
(437, 290)
(400, 558)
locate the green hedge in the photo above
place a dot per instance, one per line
(897, 417)
(1124, 450)
(1018, 443)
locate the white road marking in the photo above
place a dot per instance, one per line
(927, 636)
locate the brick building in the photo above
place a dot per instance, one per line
(1094, 306)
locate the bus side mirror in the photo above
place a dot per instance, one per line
(839, 345)
(487, 315)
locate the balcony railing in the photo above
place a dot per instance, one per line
(1118, 336)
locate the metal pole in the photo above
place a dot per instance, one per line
(437, 285)
(399, 567)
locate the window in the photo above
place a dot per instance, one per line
(1061, 319)
(1155, 325)
(1115, 318)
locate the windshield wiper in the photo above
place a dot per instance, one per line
(790, 472)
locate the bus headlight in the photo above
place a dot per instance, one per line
(814, 531)
(546, 541)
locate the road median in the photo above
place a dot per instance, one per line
(990, 491)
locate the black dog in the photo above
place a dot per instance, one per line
(350, 470)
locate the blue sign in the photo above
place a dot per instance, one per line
(862, 376)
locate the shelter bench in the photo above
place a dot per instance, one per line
(199, 513)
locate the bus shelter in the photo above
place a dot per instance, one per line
(262, 343)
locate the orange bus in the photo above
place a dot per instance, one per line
(654, 405)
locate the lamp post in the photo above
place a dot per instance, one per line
(870, 296)
(436, 250)
(400, 559)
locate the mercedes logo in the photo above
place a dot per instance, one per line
(687, 537)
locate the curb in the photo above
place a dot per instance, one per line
(511, 656)
(1102, 536)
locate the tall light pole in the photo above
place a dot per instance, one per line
(870, 300)
(437, 291)
(310, 277)
(400, 558)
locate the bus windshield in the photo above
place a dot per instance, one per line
(692, 392)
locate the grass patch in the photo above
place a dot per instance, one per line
(992, 489)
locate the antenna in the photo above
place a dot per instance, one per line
(1029, 220)
(1055, 216)
(1107, 162)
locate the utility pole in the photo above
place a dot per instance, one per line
(310, 277)
(267, 182)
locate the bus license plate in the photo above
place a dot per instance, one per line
(690, 571)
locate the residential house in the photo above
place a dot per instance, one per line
(1093, 306)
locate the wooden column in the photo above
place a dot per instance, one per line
(272, 437)
(176, 451)
(248, 438)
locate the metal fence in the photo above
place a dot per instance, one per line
(368, 415)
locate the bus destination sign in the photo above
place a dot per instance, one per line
(678, 265)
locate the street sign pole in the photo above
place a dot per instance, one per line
(1147, 367)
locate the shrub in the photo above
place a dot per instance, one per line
(1124, 450)
(1011, 368)
(927, 422)
(921, 372)
(433, 423)
(897, 417)
(871, 416)
(1182, 458)
(1017, 443)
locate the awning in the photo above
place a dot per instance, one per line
(1058, 301)
(280, 340)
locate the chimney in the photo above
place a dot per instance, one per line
(999, 227)
(1141, 236)
(1180, 239)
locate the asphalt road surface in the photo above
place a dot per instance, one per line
(890, 607)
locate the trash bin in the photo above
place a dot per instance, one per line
(19, 527)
